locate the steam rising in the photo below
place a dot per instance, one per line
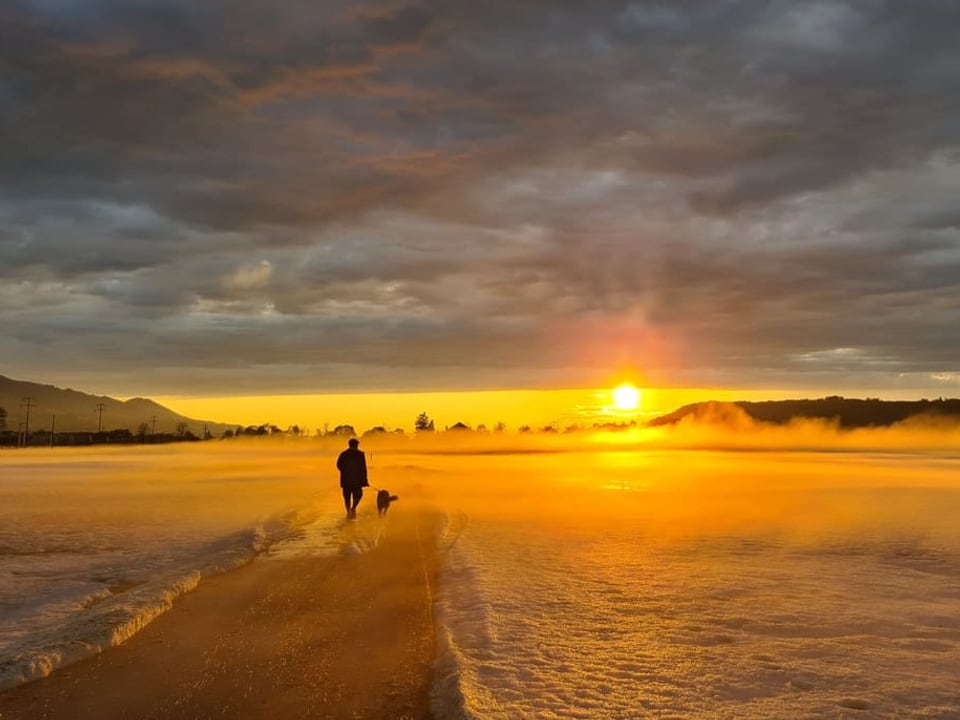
(717, 507)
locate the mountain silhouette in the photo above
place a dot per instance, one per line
(847, 413)
(77, 411)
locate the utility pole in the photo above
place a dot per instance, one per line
(153, 426)
(27, 403)
(99, 418)
(53, 428)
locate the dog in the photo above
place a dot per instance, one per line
(384, 498)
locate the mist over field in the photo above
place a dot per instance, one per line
(313, 219)
(704, 570)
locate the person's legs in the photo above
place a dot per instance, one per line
(351, 498)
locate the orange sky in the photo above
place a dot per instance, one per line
(398, 410)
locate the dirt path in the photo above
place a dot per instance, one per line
(344, 637)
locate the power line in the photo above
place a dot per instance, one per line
(27, 403)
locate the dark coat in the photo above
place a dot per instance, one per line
(352, 465)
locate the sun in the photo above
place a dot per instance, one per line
(626, 397)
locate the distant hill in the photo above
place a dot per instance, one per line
(77, 411)
(848, 413)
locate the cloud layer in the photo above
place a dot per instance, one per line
(302, 197)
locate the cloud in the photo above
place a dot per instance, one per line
(946, 377)
(250, 277)
(469, 193)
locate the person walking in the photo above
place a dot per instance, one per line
(352, 464)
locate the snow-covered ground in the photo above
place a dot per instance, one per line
(94, 544)
(579, 579)
(704, 585)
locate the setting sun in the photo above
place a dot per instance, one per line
(626, 397)
(639, 310)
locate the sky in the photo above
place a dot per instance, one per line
(279, 198)
(557, 409)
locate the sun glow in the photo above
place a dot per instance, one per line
(626, 397)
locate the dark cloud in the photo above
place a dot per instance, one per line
(405, 25)
(479, 193)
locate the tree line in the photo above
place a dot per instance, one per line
(25, 436)
(145, 432)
